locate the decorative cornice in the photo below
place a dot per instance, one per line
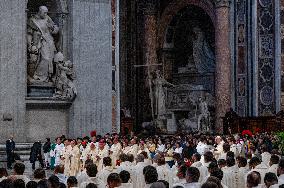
(221, 3)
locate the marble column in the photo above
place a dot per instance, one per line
(92, 57)
(223, 62)
(12, 69)
(150, 29)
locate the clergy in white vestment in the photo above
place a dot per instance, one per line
(74, 159)
(219, 148)
(254, 180)
(179, 176)
(59, 172)
(138, 177)
(202, 147)
(143, 148)
(133, 148)
(273, 164)
(202, 169)
(265, 155)
(213, 170)
(92, 152)
(226, 149)
(18, 173)
(58, 151)
(243, 171)
(256, 165)
(92, 171)
(66, 157)
(115, 151)
(231, 174)
(125, 177)
(280, 172)
(234, 147)
(207, 158)
(164, 172)
(83, 156)
(106, 171)
(192, 177)
(150, 175)
(270, 180)
(178, 148)
(160, 147)
(103, 151)
(125, 147)
(82, 176)
(125, 164)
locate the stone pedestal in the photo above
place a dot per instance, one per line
(40, 91)
(172, 124)
(46, 117)
(223, 64)
(91, 55)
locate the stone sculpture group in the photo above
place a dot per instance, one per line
(46, 64)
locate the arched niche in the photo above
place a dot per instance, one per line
(58, 12)
(172, 10)
(179, 36)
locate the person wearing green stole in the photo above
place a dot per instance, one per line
(52, 156)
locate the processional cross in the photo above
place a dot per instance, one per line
(148, 65)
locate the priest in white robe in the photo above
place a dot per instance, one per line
(219, 148)
(138, 177)
(103, 151)
(231, 174)
(115, 151)
(202, 169)
(265, 155)
(106, 171)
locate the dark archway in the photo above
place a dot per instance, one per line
(172, 10)
(182, 68)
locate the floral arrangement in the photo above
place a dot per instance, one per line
(256, 130)
(247, 133)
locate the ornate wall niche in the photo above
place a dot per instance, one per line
(59, 17)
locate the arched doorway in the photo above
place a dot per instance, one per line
(188, 58)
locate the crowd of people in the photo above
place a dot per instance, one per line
(179, 161)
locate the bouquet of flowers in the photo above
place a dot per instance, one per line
(247, 133)
(256, 130)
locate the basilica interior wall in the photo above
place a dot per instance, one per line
(12, 69)
(49, 121)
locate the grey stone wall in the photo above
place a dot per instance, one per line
(47, 119)
(91, 55)
(12, 68)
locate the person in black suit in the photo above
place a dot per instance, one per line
(35, 154)
(10, 147)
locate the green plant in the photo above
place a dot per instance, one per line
(280, 137)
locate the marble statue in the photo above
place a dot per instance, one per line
(41, 46)
(159, 84)
(203, 55)
(64, 78)
(204, 116)
(126, 112)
